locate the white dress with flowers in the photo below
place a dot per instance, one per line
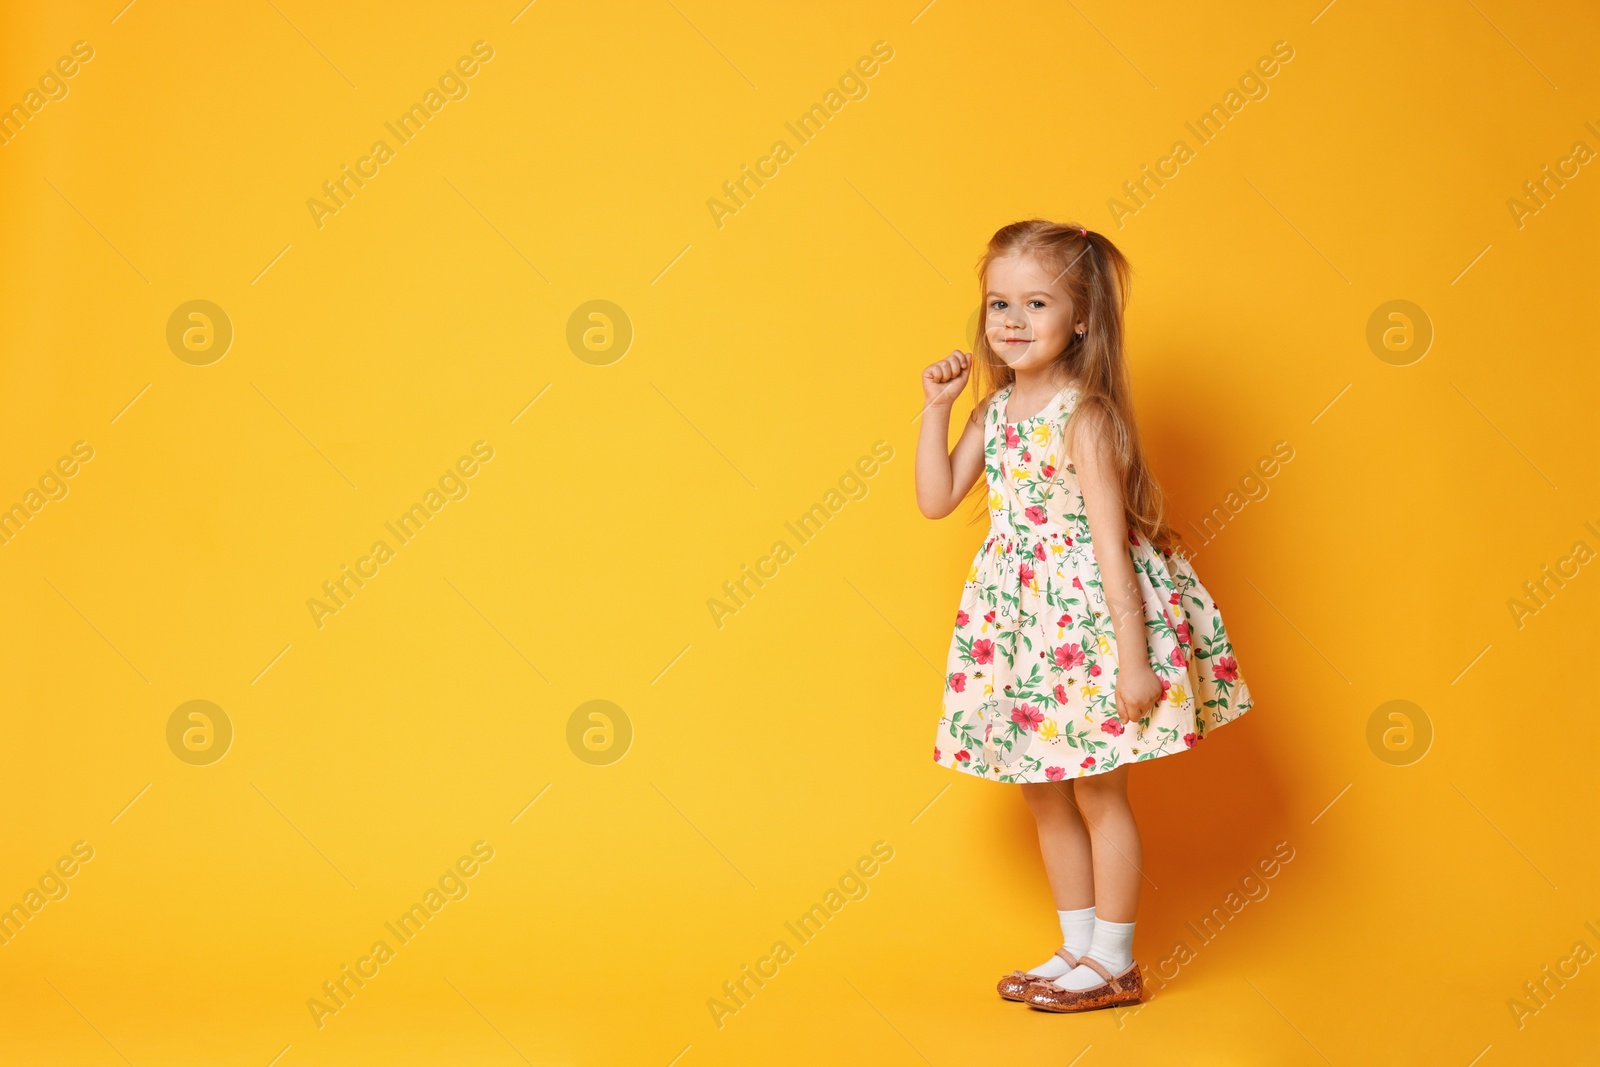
(1031, 676)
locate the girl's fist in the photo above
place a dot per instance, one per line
(943, 381)
(1136, 693)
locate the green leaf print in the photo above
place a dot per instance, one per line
(1033, 680)
(963, 733)
(1217, 644)
(964, 647)
(1168, 736)
(1079, 738)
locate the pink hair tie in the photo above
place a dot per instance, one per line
(1083, 231)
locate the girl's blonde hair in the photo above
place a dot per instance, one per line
(1095, 275)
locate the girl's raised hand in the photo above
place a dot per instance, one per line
(943, 381)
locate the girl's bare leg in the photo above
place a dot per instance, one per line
(1063, 842)
(1102, 799)
(1114, 841)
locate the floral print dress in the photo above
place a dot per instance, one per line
(1031, 676)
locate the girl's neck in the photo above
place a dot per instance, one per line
(1041, 381)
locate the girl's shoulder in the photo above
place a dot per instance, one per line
(1093, 425)
(980, 411)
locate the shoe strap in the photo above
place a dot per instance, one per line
(1072, 961)
(1096, 966)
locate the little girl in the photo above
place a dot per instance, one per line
(1084, 642)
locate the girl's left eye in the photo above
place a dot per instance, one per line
(1039, 302)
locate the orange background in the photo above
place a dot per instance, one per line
(766, 756)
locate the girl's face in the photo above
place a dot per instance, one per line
(1028, 315)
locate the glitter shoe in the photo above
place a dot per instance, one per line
(1126, 987)
(1014, 986)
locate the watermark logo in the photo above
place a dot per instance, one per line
(199, 333)
(599, 732)
(599, 332)
(52, 487)
(1253, 487)
(339, 191)
(1552, 979)
(1552, 579)
(1541, 189)
(1205, 129)
(339, 591)
(199, 733)
(852, 486)
(1399, 332)
(1399, 733)
(852, 886)
(339, 991)
(1253, 888)
(52, 886)
(52, 86)
(737, 192)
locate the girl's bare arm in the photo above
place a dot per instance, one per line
(944, 479)
(1137, 688)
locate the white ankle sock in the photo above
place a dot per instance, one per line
(1077, 931)
(1111, 945)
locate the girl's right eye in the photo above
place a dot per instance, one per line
(997, 305)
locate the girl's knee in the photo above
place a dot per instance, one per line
(1049, 800)
(1102, 793)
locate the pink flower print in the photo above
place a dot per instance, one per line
(1038, 551)
(1133, 538)
(1088, 761)
(1177, 657)
(962, 618)
(958, 682)
(1061, 694)
(1055, 774)
(1183, 631)
(1069, 656)
(1035, 515)
(963, 756)
(1027, 457)
(988, 617)
(1226, 669)
(1173, 599)
(1049, 470)
(1094, 670)
(1027, 715)
(1112, 727)
(936, 753)
(1012, 440)
(1189, 740)
(1025, 572)
(1077, 583)
(1064, 621)
(983, 651)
